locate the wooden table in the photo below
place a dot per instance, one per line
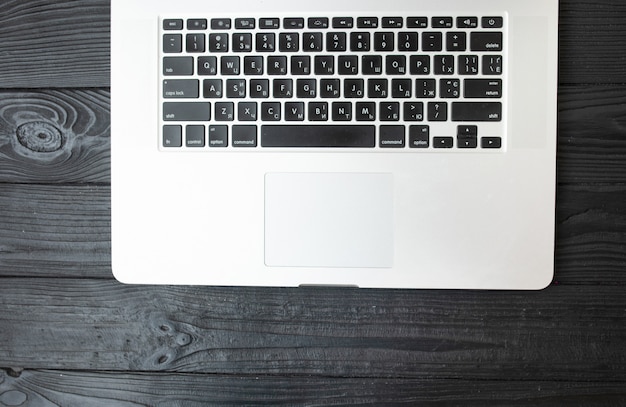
(71, 335)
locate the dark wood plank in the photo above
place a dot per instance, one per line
(47, 44)
(55, 136)
(570, 333)
(592, 146)
(66, 43)
(55, 230)
(67, 388)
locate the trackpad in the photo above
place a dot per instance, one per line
(329, 219)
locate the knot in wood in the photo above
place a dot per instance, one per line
(40, 137)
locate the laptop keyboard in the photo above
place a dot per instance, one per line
(403, 83)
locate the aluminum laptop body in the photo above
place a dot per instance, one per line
(221, 177)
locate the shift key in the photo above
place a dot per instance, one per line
(186, 111)
(476, 111)
(180, 88)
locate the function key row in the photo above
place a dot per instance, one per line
(334, 22)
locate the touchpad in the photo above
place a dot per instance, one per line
(329, 219)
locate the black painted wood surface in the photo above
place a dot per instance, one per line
(70, 335)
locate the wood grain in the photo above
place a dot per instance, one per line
(50, 44)
(55, 136)
(562, 333)
(63, 388)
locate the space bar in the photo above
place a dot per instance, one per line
(318, 136)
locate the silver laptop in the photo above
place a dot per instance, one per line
(397, 144)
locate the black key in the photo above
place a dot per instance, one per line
(449, 88)
(437, 111)
(224, 112)
(282, 88)
(343, 22)
(442, 22)
(408, 41)
(377, 88)
(235, 88)
(476, 111)
(417, 22)
(244, 136)
(295, 23)
(173, 24)
(466, 142)
(230, 65)
(492, 65)
(443, 142)
(384, 41)
(353, 88)
(425, 88)
(395, 65)
(318, 111)
(289, 42)
(359, 41)
(324, 65)
(413, 111)
(253, 65)
(197, 24)
(491, 142)
(207, 65)
(184, 111)
(172, 43)
(245, 23)
(330, 88)
(467, 22)
(218, 42)
(312, 42)
(467, 131)
(486, 41)
(401, 88)
(300, 65)
(246, 111)
(269, 23)
(318, 22)
(306, 88)
(419, 65)
(177, 66)
(444, 64)
(212, 88)
(482, 88)
(391, 137)
(392, 22)
(172, 136)
(432, 41)
(194, 135)
(218, 136)
(342, 111)
(367, 22)
(294, 111)
(419, 136)
(180, 88)
(265, 42)
(456, 41)
(348, 65)
(259, 88)
(492, 22)
(389, 111)
(277, 65)
(468, 64)
(242, 42)
(270, 111)
(220, 23)
(365, 111)
(335, 41)
(357, 136)
(372, 64)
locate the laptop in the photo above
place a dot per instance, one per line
(398, 144)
